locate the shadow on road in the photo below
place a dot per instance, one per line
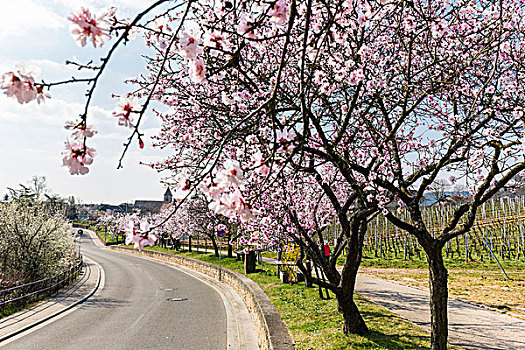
(106, 303)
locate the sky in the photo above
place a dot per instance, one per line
(36, 32)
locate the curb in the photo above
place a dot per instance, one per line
(36, 323)
(272, 333)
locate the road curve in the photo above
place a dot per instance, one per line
(134, 311)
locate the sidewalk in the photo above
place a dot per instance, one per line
(84, 287)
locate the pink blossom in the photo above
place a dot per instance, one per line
(190, 44)
(409, 22)
(246, 27)
(85, 26)
(258, 159)
(278, 12)
(41, 95)
(361, 19)
(231, 175)
(77, 156)
(197, 71)
(231, 204)
(142, 238)
(227, 100)
(130, 232)
(183, 187)
(356, 76)
(439, 28)
(81, 131)
(21, 84)
(213, 39)
(126, 106)
(285, 140)
(245, 215)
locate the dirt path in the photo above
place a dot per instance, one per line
(470, 327)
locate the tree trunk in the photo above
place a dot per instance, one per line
(249, 262)
(438, 301)
(215, 246)
(189, 243)
(353, 321)
(307, 277)
(230, 250)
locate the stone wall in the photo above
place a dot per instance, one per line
(271, 331)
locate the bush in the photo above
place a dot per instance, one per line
(34, 242)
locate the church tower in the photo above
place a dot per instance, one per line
(168, 198)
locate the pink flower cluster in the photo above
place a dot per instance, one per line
(21, 85)
(86, 27)
(126, 106)
(142, 237)
(183, 187)
(190, 46)
(77, 155)
(285, 141)
(279, 12)
(225, 194)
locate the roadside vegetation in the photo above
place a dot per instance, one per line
(35, 239)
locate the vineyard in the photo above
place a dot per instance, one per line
(498, 234)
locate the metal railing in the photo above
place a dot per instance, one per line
(23, 294)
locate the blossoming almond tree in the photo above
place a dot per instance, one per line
(457, 111)
(383, 97)
(302, 208)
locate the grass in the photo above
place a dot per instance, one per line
(33, 300)
(12, 308)
(315, 323)
(109, 238)
(269, 254)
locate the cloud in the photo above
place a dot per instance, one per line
(53, 112)
(124, 7)
(21, 17)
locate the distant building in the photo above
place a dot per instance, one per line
(145, 206)
(154, 206)
(168, 197)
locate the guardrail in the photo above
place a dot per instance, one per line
(25, 293)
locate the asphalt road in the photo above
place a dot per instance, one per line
(133, 311)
